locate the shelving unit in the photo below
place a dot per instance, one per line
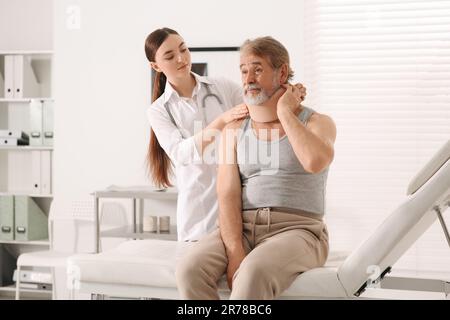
(25, 84)
(26, 194)
(28, 243)
(8, 292)
(12, 288)
(136, 232)
(22, 100)
(26, 148)
(26, 52)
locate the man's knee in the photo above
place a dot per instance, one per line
(186, 270)
(254, 280)
(252, 270)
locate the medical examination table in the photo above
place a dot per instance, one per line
(146, 268)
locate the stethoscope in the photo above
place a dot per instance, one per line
(209, 94)
(212, 95)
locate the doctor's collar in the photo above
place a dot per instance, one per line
(200, 78)
(169, 91)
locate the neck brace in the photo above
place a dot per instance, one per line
(264, 113)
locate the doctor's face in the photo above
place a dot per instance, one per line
(259, 79)
(173, 58)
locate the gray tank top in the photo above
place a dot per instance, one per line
(272, 176)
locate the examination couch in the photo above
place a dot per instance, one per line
(146, 268)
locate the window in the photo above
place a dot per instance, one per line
(381, 70)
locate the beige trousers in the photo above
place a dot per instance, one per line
(279, 247)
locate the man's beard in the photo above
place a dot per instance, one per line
(263, 95)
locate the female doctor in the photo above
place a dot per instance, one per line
(186, 113)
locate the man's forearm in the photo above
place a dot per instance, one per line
(230, 219)
(312, 152)
(229, 193)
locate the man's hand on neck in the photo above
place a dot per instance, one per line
(289, 101)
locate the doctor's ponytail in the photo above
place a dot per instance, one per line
(158, 162)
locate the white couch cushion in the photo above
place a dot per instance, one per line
(152, 263)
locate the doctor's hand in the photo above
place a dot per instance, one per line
(238, 112)
(234, 261)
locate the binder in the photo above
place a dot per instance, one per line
(13, 142)
(30, 220)
(14, 134)
(47, 122)
(18, 77)
(36, 123)
(2, 81)
(35, 171)
(46, 172)
(25, 82)
(9, 77)
(7, 217)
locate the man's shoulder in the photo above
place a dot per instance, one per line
(321, 118)
(323, 125)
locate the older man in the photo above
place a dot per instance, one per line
(270, 222)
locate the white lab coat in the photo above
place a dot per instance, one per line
(197, 206)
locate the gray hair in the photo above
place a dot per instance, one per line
(271, 49)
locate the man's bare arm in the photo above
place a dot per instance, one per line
(230, 201)
(312, 144)
(229, 191)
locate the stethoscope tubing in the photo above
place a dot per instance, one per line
(209, 94)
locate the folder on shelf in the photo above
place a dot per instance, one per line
(13, 142)
(35, 171)
(47, 122)
(30, 220)
(40, 181)
(7, 217)
(46, 172)
(36, 122)
(9, 77)
(25, 81)
(14, 134)
(2, 80)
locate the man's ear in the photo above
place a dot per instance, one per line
(155, 67)
(284, 73)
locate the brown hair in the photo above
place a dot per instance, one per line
(158, 162)
(271, 49)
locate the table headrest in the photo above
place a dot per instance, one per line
(432, 166)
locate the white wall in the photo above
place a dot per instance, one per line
(26, 25)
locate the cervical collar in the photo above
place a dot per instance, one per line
(263, 113)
